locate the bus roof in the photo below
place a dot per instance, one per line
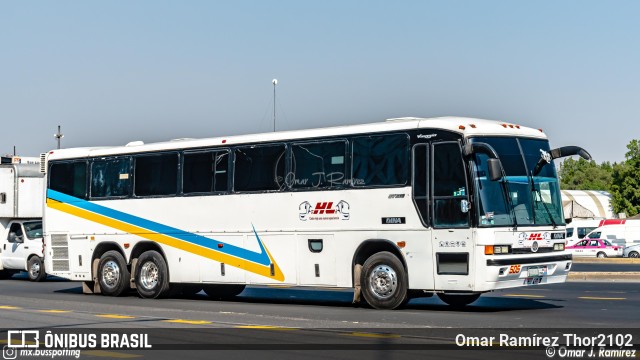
(467, 127)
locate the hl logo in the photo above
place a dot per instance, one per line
(324, 208)
(535, 236)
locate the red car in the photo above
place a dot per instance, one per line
(596, 247)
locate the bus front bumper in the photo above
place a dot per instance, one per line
(512, 272)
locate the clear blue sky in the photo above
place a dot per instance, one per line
(111, 72)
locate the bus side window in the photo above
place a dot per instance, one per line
(318, 165)
(69, 178)
(449, 186)
(421, 181)
(259, 168)
(156, 175)
(205, 172)
(110, 177)
(380, 160)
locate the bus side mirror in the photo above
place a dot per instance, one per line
(495, 169)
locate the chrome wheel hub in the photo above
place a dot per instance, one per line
(34, 270)
(149, 275)
(110, 274)
(383, 281)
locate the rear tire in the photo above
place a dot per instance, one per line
(35, 269)
(113, 274)
(458, 301)
(152, 275)
(223, 292)
(634, 254)
(384, 281)
(601, 255)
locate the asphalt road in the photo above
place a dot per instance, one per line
(604, 267)
(264, 318)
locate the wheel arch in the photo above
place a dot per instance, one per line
(143, 246)
(372, 246)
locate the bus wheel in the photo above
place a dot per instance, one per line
(35, 268)
(152, 275)
(384, 281)
(219, 291)
(458, 300)
(113, 275)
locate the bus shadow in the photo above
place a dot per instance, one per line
(343, 298)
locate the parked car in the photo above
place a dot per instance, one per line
(632, 251)
(596, 247)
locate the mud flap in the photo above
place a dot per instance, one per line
(87, 287)
(357, 271)
(96, 283)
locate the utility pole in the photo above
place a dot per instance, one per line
(274, 82)
(58, 136)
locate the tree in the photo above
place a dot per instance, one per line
(584, 175)
(625, 182)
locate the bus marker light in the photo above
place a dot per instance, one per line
(473, 126)
(401, 244)
(224, 141)
(126, 245)
(488, 249)
(461, 127)
(220, 246)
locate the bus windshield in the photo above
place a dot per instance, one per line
(518, 198)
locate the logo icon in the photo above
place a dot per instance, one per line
(9, 353)
(534, 246)
(324, 211)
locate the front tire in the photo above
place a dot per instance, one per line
(634, 254)
(458, 301)
(113, 274)
(35, 269)
(384, 281)
(152, 275)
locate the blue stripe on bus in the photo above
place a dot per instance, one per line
(261, 257)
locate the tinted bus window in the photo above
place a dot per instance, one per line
(69, 178)
(259, 168)
(156, 175)
(110, 177)
(380, 160)
(449, 186)
(318, 165)
(205, 172)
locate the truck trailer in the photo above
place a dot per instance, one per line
(21, 203)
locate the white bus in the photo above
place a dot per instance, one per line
(404, 208)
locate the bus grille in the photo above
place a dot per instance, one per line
(43, 163)
(60, 248)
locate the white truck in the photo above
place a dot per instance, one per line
(21, 202)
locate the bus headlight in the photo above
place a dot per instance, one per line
(558, 247)
(501, 249)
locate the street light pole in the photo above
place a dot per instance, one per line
(274, 82)
(58, 136)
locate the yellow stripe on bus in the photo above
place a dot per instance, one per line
(170, 241)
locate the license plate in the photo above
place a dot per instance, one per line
(532, 280)
(537, 271)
